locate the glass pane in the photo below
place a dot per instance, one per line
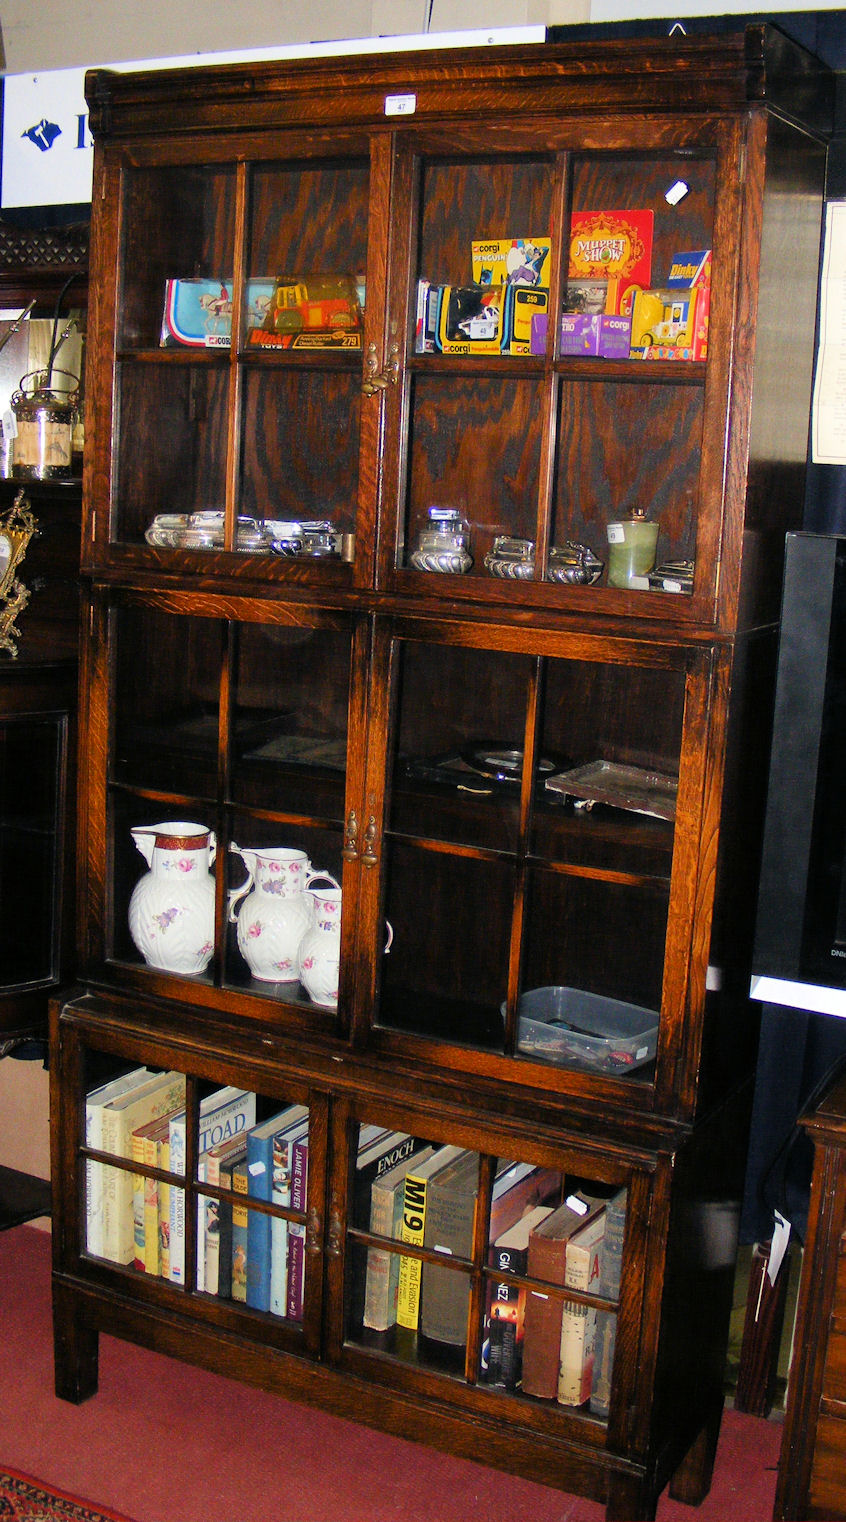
(479, 200)
(289, 758)
(458, 742)
(178, 224)
(309, 218)
(31, 756)
(474, 449)
(166, 701)
(246, 1255)
(284, 922)
(594, 488)
(171, 458)
(300, 461)
(541, 1344)
(447, 974)
(599, 869)
(290, 716)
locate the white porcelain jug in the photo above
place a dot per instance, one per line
(320, 948)
(276, 914)
(171, 911)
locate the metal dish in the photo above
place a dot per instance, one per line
(623, 787)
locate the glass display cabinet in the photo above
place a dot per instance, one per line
(421, 805)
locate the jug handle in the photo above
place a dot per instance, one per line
(144, 841)
(238, 893)
(390, 940)
(316, 877)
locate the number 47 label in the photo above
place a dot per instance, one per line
(400, 105)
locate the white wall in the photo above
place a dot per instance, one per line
(60, 34)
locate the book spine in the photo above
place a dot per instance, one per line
(282, 1165)
(177, 1201)
(505, 1320)
(224, 1234)
(380, 1309)
(209, 1243)
(412, 1230)
(240, 1218)
(259, 1184)
(542, 1325)
(215, 1125)
(296, 1232)
(578, 1324)
(136, 1148)
(610, 1266)
(164, 1209)
(201, 1205)
(111, 1179)
(152, 1240)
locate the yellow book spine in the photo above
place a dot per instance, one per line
(152, 1240)
(411, 1269)
(164, 1209)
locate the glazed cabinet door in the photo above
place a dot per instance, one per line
(447, 1270)
(539, 413)
(231, 428)
(217, 816)
(204, 1186)
(537, 855)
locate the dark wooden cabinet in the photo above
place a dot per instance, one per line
(38, 749)
(810, 1477)
(501, 782)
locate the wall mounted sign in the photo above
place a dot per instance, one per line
(47, 147)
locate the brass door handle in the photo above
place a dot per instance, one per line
(376, 379)
(349, 850)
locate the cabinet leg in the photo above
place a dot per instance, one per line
(692, 1480)
(630, 1501)
(75, 1353)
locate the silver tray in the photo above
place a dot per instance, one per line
(624, 787)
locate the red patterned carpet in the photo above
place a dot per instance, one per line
(23, 1499)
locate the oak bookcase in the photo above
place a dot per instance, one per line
(399, 725)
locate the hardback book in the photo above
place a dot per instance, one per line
(224, 1220)
(296, 1232)
(546, 1261)
(502, 1348)
(224, 1113)
(240, 1218)
(282, 1171)
(382, 1280)
(610, 1264)
(146, 1148)
(518, 1188)
(450, 1221)
(95, 1103)
(288, 1123)
(378, 1152)
(233, 1149)
(578, 1322)
(412, 1230)
(450, 1214)
(120, 1118)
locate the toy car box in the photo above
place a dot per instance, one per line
(471, 319)
(312, 312)
(198, 313)
(597, 334)
(671, 322)
(511, 261)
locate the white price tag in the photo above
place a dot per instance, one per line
(400, 105)
(616, 533)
